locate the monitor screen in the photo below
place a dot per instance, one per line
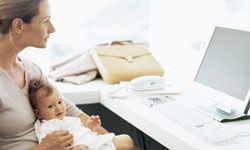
(226, 63)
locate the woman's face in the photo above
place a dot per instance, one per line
(37, 32)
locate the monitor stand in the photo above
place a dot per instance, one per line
(223, 114)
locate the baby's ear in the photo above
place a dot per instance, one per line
(37, 114)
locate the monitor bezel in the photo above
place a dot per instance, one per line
(214, 95)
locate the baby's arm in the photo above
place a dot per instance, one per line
(84, 117)
(93, 122)
(80, 147)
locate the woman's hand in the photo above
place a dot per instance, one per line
(57, 140)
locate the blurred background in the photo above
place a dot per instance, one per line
(176, 30)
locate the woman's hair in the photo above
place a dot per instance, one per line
(11, 9)
(34, 87)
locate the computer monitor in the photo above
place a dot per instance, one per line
(224, 71)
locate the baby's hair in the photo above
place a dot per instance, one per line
(34, 87)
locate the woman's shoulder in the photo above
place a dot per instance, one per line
(33, 70)
(30, 64)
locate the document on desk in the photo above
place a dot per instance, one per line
(153, 100)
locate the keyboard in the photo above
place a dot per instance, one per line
(208, 129)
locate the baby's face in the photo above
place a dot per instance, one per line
(51, 107)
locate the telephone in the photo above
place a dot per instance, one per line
(147, 83)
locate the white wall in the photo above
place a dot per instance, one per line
(180, 29)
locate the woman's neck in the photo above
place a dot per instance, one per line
(8, 53)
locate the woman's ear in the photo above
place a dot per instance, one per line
(17, 25)
(37, 114)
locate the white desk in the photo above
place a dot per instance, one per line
(151, 122)
(164, 130)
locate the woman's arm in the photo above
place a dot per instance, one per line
(57, 140)
(84, 117)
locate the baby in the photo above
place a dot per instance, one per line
(50, 110)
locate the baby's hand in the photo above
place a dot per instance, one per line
(96, 121)
(93, 122)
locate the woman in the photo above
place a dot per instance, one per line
(25, 23)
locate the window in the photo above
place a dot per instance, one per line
(81, 24)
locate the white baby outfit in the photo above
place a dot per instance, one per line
(81, 134)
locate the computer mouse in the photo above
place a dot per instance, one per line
(147, 83)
